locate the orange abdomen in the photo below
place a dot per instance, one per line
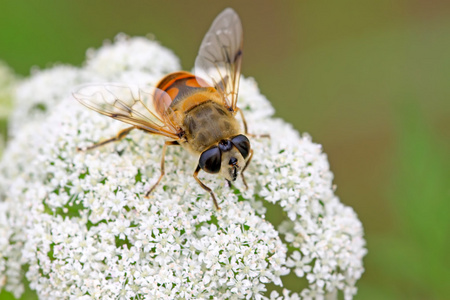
(180, 86)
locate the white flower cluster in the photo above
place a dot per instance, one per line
(76, 224)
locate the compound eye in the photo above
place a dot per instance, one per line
(210, 160)
(242, 143)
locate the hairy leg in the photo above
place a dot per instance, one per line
(246, 128)
(205, 187)
(245, 167)
(167, 143)
(120, 135)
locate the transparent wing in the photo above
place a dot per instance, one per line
(218, 63)
(143, 109)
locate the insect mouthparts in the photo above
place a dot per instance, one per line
(234, 173)
(233, 161)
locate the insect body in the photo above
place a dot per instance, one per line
(196, 111)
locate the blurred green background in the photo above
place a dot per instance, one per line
(369, 80)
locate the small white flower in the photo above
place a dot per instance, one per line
(80, 222)
(301, 264)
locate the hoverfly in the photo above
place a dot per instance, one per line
(196, 111)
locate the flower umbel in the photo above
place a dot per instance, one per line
(80, 222)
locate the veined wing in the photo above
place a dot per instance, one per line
(220, 56)
(130, 105)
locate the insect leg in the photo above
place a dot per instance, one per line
(229, 183)
(245, 167)
(246, 128)
(120, 135)
(205, 187)
(167, 143)
(243, 121)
